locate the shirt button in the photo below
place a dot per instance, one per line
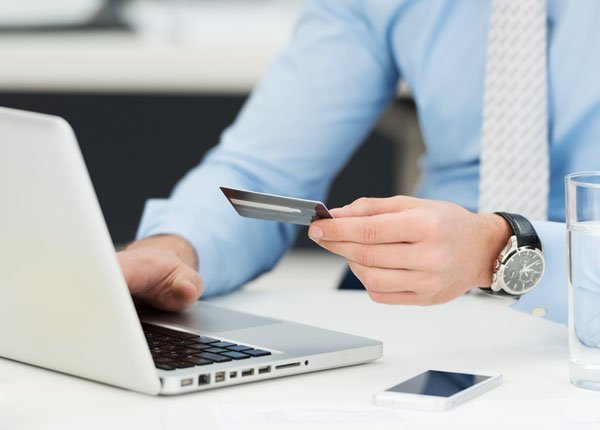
(539, 312)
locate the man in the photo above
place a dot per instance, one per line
(320, 99)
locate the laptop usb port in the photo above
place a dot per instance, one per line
(247, 372)
(287, 366)
(187, 382)
(219, 376)
(204, 380)
(266, 369)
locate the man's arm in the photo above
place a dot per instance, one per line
(302, 123)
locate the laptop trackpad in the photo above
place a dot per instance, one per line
(205, 318)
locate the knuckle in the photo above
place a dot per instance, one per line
(401, 200)
(360, 201)
(337, 232)
(331, 231)
(360, 204)
(433, 224)
(366, 255)
(369, 232)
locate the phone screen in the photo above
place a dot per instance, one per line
(438, 383)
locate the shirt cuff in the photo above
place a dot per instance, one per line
(549, 298)
(161, 216)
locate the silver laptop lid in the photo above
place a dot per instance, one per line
(65, 304)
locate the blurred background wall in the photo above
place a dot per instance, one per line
(149, 85)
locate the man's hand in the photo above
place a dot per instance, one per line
(162, 272)
(413, 251)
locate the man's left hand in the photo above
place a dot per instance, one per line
(414, 251)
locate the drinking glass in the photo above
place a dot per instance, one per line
(583, 229)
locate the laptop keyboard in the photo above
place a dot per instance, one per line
(174, 349)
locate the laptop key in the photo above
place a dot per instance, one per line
(239, 348)
(164, 367)
(199, 346)
(213, 357)
(236, 355)
(198, 361)
(208, 340)
(181, 364)
(180, 342)
(222, 344)
(156, 343)
(257, 352)
(172, 354)
(173, 347)
(215, 350)
(168, 339)
(188, 351)
(190, 342)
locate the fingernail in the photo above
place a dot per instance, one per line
(180, 296)
(315, 232)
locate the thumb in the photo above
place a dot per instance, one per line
(160, 279)
(182, 293)
(176, 292)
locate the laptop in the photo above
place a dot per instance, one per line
(66, 307)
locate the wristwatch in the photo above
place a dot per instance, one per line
(520, 265)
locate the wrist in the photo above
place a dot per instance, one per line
(172, 243)
(497, 232)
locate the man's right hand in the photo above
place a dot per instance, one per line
(162, 271)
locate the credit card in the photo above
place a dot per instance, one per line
(271, 207)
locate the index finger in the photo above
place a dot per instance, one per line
(368, 206)
(385, 228)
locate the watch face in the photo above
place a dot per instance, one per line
(523, 270)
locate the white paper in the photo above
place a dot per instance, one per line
(559, 414)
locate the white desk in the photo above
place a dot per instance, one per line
(475, 333)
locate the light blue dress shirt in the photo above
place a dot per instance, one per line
(325, 91)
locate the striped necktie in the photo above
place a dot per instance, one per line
(514, 162)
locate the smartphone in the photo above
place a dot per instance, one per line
(436, 390)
